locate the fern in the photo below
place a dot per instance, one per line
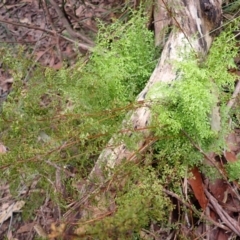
(185, 108)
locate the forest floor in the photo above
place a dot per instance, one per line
(54, 36)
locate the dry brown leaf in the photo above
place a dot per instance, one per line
(219, 189)
(79, 10)
(26, 1)
(57, 66)
(10, 236)
(198, 188)
(39, 54)
(230, 156)
(52, 61)
(223, 235)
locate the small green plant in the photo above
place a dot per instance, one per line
(118, 68)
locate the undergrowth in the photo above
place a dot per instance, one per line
(187, 110)
(66, 118)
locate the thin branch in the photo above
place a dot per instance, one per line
(67, 25)
(81, 45)
(213, 162)
(230, 222)
(205, 155)
(48, 16)
(81, 22)
(68, 173)
(195, 211)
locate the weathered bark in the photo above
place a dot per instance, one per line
(194, 24)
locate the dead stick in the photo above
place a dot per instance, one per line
(230, 222)
(48, 16)
(82, 45)
(67, 25)
(194, 210)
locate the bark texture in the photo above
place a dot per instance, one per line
(194, 24)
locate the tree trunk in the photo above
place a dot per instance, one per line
(194, 24)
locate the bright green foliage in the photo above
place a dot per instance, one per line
(184, 110)
(67, 117)
(233, 170)
(118, 68)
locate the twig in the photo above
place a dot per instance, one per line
(93, 29)
(214, 164)
(195, 211)
(91, 189)
(178, 25)
(207, 211)
(18, 41)
(206, 233)
(67, 25)
(53, 28)
(40, 231)
(36, 60)
(68, 173)
(230, 222)
(150, 233)
(81, 45)
(206, 156)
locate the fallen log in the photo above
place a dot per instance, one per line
(198, 19)
(194, 26)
